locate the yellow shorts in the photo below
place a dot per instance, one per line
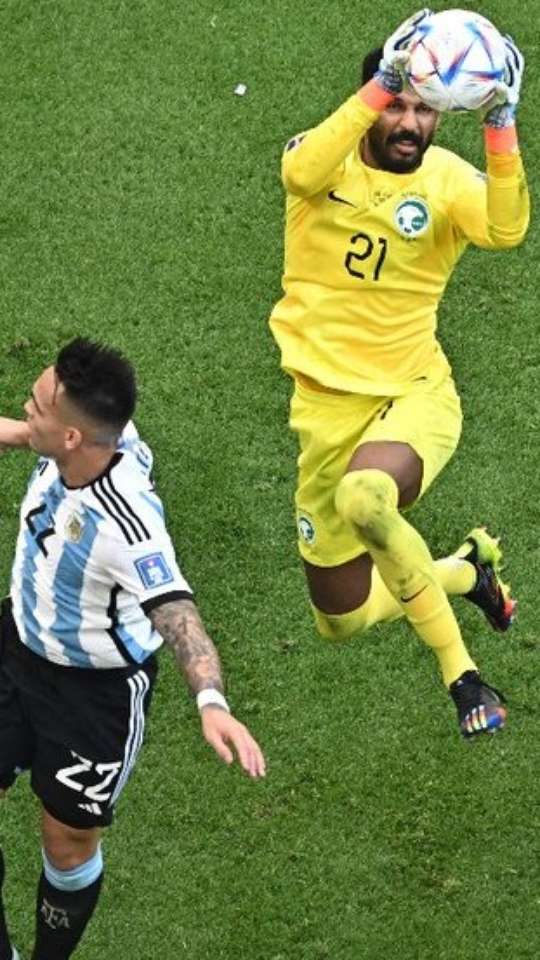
(331, 426)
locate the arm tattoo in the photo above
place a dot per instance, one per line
(182, 629)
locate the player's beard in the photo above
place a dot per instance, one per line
(379, 146)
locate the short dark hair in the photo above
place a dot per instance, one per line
(370, 64)
(99, 381)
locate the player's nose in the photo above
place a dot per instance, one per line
(410, 122)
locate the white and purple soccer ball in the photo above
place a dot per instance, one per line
(456, 61)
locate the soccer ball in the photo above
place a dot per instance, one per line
(457, 61)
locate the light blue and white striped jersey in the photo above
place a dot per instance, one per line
(91, 563)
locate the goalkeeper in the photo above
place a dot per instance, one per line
(377, 219)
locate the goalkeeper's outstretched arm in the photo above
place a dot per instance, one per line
(508, 196)
(497, 216)
(310, 161)
(507, 192)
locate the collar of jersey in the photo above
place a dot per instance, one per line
(116, 457)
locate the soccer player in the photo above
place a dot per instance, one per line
(377, 219)
(95, 589)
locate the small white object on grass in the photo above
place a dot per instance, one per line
(240, 89)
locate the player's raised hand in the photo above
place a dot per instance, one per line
(513, 74)
(502, 109)
(223, 732)
(396, 51)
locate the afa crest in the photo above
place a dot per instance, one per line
(74, 527)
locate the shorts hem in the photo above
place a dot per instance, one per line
(81, 822)
(334, 562)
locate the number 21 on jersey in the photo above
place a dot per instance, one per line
(366, 249)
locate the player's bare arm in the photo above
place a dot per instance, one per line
(181, 627)
(13, 433)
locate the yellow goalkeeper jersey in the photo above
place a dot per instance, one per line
(368, 254)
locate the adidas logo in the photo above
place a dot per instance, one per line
(91, 808)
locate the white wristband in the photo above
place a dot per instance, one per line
(209, 696)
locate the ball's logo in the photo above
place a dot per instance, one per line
(306, 529)
(412, 217)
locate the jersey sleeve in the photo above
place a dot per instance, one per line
(491, 210)
(149, 571)
(312, 160)
(133, 549)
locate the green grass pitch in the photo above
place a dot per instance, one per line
(141, 203)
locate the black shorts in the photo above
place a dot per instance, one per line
(78, 731)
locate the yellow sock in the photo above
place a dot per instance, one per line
(381, 604)
(369, 498)
(455, 575)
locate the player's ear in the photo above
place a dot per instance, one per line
(72, 438)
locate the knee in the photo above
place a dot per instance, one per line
(68, 848)
(78, 876)
(340, 626)
(367, 498)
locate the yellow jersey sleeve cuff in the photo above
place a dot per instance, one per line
(504, 140)
(504, 166)
(374, 97)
